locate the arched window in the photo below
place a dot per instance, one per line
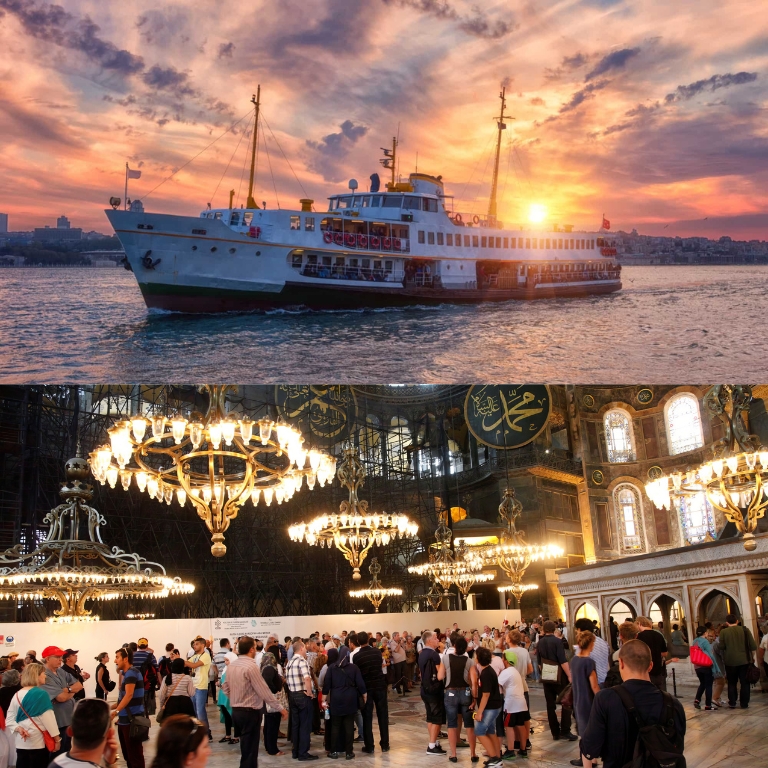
(398, 445)
(619, 437)
(696, 517)
(629, 518)
(683, 424)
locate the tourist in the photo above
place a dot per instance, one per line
(342, 688)
(432, 690)
(489, 704)
(331, 658)
(200, 662)
(103, 684)
(143, 654)
(658, 645)
(177, 691)
(677, 636)
(182, 744)
(498, 643)
(719, 678)
(274, 681)
(612, 732)
(220, 658)
(130, 703)
(31, 657)
(601, 652)
(455, 672)
(411, 656)
(247, 694)
(164, 662)
(11, 684)
(93, 737)
(225, 709)
(69, 665)
(61, 689)
(550, 651)
(762, 654)
(705, 672)
(516, 715)
(32, 702)
(737, 645)
(584, 681)
(369, 661)
(398, 664)
(299, 680)
(521, 661)
(627, 631)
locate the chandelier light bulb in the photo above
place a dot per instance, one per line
(718, 465)
(268, 493)
(178, 428)
(255, 493)
(181, 496)
(125, 479)
(196, 434)
(283, 432)
(228, 428)
(246, 429)
(139, 426)
(152, 486)
(141, 480)
(207, 495)
(279, 494)
(732, 462)
(158, 426)
(214, 435)
(112, 473)
(265, 430)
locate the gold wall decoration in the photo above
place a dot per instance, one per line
(326, 411)
(597, 477)
(645, 396)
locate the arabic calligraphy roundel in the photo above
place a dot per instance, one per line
(326, 411)
(507, 415)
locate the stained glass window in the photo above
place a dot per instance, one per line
(697, 517)
(629, 516)
(683, 424)
(618, 437)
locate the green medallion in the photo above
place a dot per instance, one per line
(645, 396)
(507, 415)
(655, 472)
(325, 411)
(588, 401)
(597, 477)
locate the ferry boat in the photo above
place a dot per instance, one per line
(397, 246)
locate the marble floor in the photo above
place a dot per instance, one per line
(733, 738)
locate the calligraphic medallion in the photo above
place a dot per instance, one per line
(597, 477)
(507, 415)
(645, 396)
(655, 472)
(327, 411)
(588, 401)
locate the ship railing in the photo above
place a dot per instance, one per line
(343, 272)
(575, 277)
(367, 242)
(423, 280)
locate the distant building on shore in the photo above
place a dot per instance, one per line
(63, 231)
(3, 223)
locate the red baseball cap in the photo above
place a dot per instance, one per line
(52, 650)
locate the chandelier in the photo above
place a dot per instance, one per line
(375, 592)
(512, 554)
(734, 481)
(518, 590)
(74, 566)
(210, 461)
(446, 567)
(354, 530)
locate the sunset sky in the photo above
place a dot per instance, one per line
(654, 113)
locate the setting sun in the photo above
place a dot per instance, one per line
(537, 213)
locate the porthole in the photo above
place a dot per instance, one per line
(231, 250)
(213, 249)
(194, 247)
(258, 253)
(461, 267)
(447, 266)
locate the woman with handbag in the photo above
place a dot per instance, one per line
(274, 681)
(705, 666)
(177, 692)
(32, 722)
(103, 684)
(584, 683)
(345, 692)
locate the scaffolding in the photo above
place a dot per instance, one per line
(420, 460)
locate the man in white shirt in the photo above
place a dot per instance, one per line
(762, 652)
(516, 715)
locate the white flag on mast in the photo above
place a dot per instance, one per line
(133, 174)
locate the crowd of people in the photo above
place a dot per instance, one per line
(331, 685)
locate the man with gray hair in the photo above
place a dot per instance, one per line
(299, 679)
(11, 684)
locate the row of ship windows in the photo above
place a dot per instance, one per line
(407, 202)
(477, 241)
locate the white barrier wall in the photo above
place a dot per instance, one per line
(93, 638)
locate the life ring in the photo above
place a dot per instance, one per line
(362, 241)
(387, 243)
(475, 219)
(252, 232)
(396, 243)
(338, 238)
(328, 237)
(457, 218)
(349, 239)
(374, 241)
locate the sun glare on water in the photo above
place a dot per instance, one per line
(537, 213)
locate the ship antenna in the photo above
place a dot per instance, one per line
(256, 101)
(389, 161)
(494, 185)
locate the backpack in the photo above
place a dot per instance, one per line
(165, 667)
(613, 678)
(149, 673)
(657, 744)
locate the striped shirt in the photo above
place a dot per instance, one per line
(296, 672)
(136, 704)
(245, 686)
(601, 653)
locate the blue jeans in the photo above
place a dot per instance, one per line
(487, 726)
(457, 702)
(201, 697)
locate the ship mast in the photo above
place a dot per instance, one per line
(389, 161)
(255, 100)
(501, 126)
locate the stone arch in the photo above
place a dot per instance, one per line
(577, 605)
(760, 590)
(704, 600)
(628, 601)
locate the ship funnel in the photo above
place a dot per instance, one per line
(306, 204)
(375, 182)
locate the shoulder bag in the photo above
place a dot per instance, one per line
(50, 744)
(140, 725)
(160, 716)
(753, 672)
(360, 699)
(699, 657)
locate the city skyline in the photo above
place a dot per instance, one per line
(645, 112)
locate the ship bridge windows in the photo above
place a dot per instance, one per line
(449, 238)
(439, 238)
(309, 223)
(412, 203)
(429, 204)
(393, 201)
(421, 237)
(247, 218)
(217, 215)
(430, 238)
(295, 222)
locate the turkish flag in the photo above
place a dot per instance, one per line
(606, 223)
